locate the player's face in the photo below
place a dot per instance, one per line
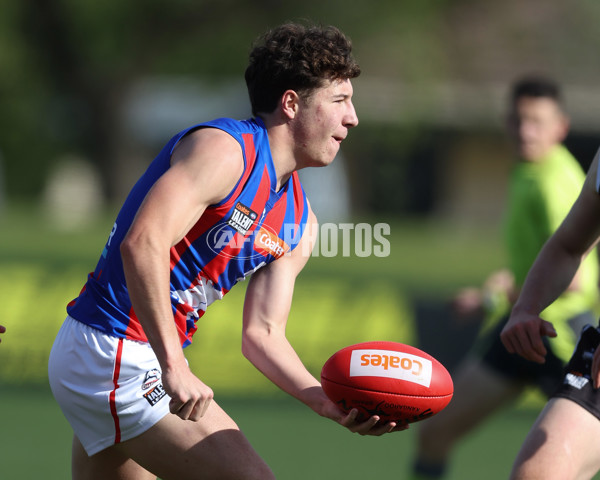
(537, 125)
(324, 119)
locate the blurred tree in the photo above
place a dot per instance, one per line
(69, 63)
(88, 53)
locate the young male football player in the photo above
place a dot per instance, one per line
(221, 202)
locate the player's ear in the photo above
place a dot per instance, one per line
(289, 103)
(564, 127)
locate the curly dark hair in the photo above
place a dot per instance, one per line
(296, 57)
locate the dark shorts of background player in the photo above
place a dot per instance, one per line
(546, 376)
(577, 382)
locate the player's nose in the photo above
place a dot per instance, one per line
(351, 118)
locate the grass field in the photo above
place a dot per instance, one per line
(297, 444)
(338, 301)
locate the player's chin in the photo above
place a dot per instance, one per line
(331, 157)
(530, 153)
(323, 161)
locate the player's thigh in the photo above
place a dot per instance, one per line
(108, 463)
(561, 445)
(213, 447)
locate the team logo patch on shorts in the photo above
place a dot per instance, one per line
(155, 395)
(152, 376)
(576, 381)
(157, 392)
(242, 218)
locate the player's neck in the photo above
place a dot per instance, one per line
(281, 145)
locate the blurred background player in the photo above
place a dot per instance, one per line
(563, 442)
(543, 185)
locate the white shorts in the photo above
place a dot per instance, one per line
(108, 388)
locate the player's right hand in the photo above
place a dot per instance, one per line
(523, 334)
(190, 397)
(372, 426)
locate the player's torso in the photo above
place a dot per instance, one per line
(540, 196)
(250, 228)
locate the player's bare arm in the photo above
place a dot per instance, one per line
(266, 308)
(264, 343)
(553, 272)
(205, 167)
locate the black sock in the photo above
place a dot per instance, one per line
(428, 470)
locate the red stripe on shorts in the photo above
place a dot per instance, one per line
(113, 393)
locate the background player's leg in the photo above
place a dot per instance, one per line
(478, 392)
(566, 431)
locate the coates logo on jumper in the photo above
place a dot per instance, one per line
(268, 243)
(391, 364)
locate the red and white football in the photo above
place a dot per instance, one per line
(395, 381)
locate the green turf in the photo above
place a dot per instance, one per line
(297, 443)
(311, 447)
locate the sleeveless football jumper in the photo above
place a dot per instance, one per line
(250, 228)
(102, 370)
